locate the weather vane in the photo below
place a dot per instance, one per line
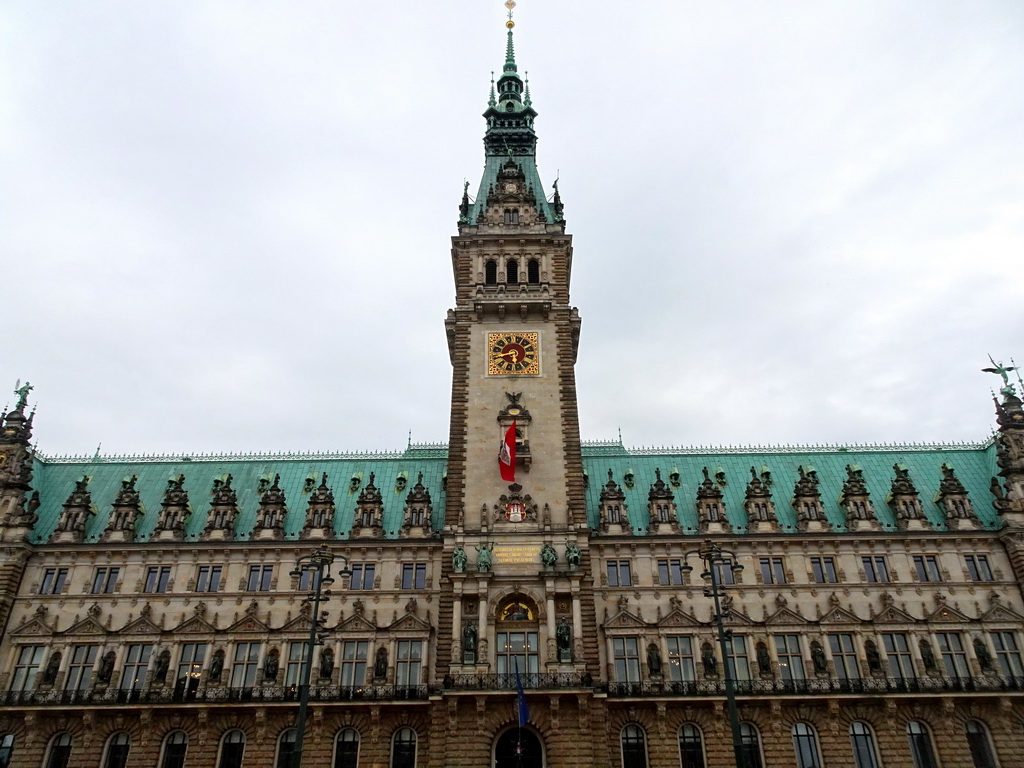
(510, 4)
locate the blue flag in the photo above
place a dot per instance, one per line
(521, 709)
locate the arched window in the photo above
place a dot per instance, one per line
(403, 748)
(980, 745)
(491, 272)
(6, 749)
(512, 270)
(232, 746)
(805, 742)
(285, 749)
(750, 743)
(634, 747)
(691, 746)
(533, 271)
(517, 639)
(921, 745)
(175, 747)
(117, 750)
(59, 752)
(346, 749)
(864, 754)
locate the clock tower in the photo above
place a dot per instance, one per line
(514, 549)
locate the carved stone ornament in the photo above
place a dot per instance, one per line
(515, 507)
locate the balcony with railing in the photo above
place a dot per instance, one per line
(507, 681)
(263, 694)
(818, 686)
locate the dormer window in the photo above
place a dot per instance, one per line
(512, 269)
(510, 107)
(511, 215)
(491, 272)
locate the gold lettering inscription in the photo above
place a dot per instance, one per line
(507, 553)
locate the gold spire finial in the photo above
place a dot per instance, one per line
(510, 4)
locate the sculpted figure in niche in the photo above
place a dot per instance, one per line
(459, 559)
(516, 611)
(380, 665)
(653, 659)
(563, 635)
(52, 666)
(483, 557)
(270, 666)
(984, 655)
(326, 663)
(469, 638)
(216, 666)
(818, 659)
(106, 669)
(927, 656)
(548, 555)
(708, 660)
(163, 662)
(874, 659)
(572, 554)
(764, 661)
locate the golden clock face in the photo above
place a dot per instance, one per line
(511, 187)
(516, 353)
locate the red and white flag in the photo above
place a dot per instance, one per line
(507, 455)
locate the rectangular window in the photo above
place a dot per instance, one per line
(724, 573)
(1008, 653)
(681, 665)
(308, 576)
(738, 661)
(978, 567)
(927, 568)
(362, 575)
(823, 570)
(157, 578)
(190, 666)
(136, 663)
(414, 576)
(844, 656)
(791, 663)
(30, 659)
(876, 570)
(518, 650)
(208, 578)
(670, 572)
(54, 580)
(353, 663)
(626, 653)
(773, 570)
(104, 580)
(83, 659)
(901, 665)
(246, 662)
(954, 657)
(409, 663)
(293, 672)
(619, 574)
(260, 578)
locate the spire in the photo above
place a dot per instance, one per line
(510, 52)
(492, 102)
(527, 101)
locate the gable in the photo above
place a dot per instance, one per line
(947, 615)
(195, 626)
(299, 623)
(357, 622)
(409, 622)
(1001, 613)
(87, 626)
(141, 626)
(893, 615)
(248, 624)
(34, 628)
(679, 619)
(625, 620)
(785, 616)
(839, 616)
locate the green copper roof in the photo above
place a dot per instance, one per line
(973, 465)
(56, 479)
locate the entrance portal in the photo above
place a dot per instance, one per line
(518, 748)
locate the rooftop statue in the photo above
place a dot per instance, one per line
(1001, 370)
(22, 392)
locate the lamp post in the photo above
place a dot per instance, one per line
(318, 564)
(714, 557)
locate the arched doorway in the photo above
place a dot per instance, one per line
(518, 748)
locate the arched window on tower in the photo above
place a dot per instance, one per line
(512, 270)
(491, 272)
(533, 271)
(517, 641)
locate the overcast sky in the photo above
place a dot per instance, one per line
(225, 226)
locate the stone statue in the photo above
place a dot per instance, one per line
(572, 554)
(459, 559)
(997, 368)
(483, 557)
(106, 669)
(764, 660)
(984, 655)
(927, 656)
(874, 659)
(270, 666)
(653, 659)
(469, 638)
(326, 663)
(380, 664)
(548, 555)
(52, 666)
(216, 666)
(708, 660)
(163, 662)
(563, 637)
(818, 659)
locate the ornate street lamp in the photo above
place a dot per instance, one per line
(318, 565)
(714, 558)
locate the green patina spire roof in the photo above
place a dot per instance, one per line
(510, 55)
(492, 101)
